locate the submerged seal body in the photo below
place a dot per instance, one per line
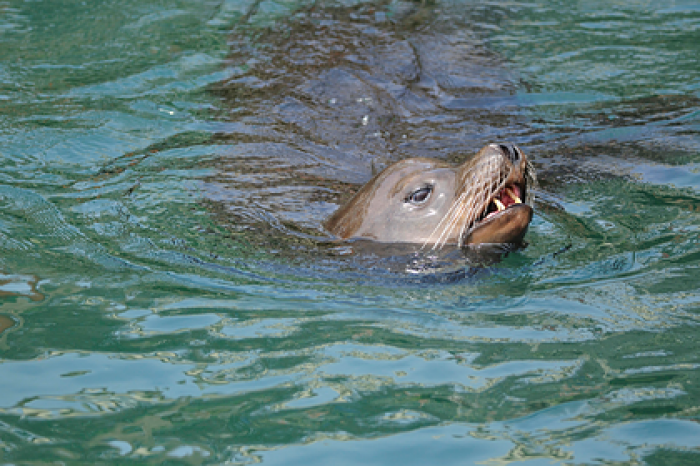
(432, 203)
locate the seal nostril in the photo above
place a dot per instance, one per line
(511, 151)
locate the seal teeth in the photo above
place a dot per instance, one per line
(499, 204)
(514, 196)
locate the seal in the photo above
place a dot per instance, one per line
(429, 202)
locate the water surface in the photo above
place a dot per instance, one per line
(168, 292)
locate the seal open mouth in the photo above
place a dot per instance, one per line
(506, 197)
(506, 216)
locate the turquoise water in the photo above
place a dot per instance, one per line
(168, 293)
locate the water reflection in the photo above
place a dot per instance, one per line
(19, 285)
(169, 295)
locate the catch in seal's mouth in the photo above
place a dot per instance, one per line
(487, 199)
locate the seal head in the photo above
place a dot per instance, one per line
(432, 203)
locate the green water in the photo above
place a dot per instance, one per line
(167, 292)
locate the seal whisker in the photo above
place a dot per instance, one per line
(454, 215)
(456, 212)
(437, 228)
(447, 218)
(482, 197)
(488, 190)
(464, 206)
(455, 219)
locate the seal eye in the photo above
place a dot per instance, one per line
(420, 196)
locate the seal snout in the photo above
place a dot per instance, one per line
(505, 214)
(509, 151)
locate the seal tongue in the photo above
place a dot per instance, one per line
(510, 195)
(505, 198)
